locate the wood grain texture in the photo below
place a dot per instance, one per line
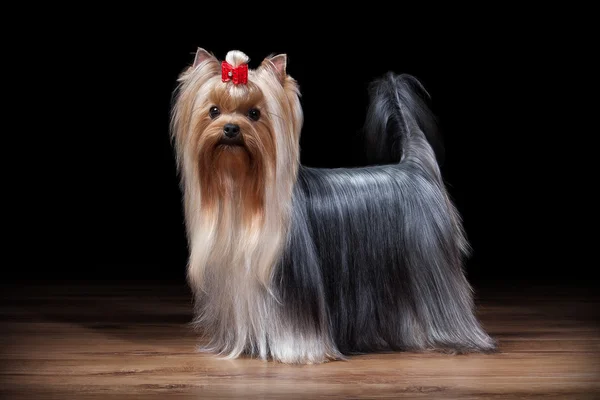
(94, 341)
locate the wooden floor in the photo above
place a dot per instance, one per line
(77, 341)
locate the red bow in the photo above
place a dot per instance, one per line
(237, 75)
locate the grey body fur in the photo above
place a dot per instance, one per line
(383, 245)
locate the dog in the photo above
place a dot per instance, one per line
(305, 265)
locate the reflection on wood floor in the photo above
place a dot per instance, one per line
(133, 341)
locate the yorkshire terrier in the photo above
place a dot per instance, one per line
(306, 265)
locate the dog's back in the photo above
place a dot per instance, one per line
(387, 238)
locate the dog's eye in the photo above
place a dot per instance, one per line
(214, 112)
(254, 114)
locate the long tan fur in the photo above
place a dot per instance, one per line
(237, 199)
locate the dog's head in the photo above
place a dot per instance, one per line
(236, 127)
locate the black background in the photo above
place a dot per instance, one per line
(98, 179)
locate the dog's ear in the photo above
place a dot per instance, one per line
(201, 56)
(277, 64)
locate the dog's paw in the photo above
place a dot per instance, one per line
(310, 353)
(304, 359)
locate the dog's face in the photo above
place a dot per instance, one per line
(232, 131)
(233, 137)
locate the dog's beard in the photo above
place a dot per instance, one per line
(236, 237)
(230, 169)
(232, 175)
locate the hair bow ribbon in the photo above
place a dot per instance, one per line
(238, 75)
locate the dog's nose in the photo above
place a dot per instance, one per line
(231, 130)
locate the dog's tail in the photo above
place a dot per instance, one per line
(400, 126)
(400, 131)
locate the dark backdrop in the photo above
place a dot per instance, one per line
(106, 202)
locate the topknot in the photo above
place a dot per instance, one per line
(236, 58)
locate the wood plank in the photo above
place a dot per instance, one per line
(127, 341)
